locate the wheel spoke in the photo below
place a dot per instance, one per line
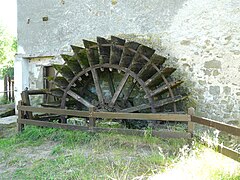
(97, 86)
(79, 99)
(110, 83)
(119, 90)
(129, 92)
(136, 108)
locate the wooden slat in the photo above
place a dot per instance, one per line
(234, 130)
(136, 108)
(82, 58)
(142, 116)
(79, 99)
(164, 88)
(128, 92)
(156, 79)
(61, 82)
(226, 151)
(161, 134)
(154, 65)
(158, 104)
(72, 62)
(115, 115)
(54, 111)
(65, 71)
(110, 82)
(119, 89)
(141, 58)
(229, 152)
(76, 49)
(52, 125)
(128, 53)
(116, 52)
(92, 52)
(104, 50)
(38, 91)
(97, 86)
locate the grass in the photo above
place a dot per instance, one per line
(45, 153)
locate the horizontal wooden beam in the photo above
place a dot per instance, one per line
(161, 134)
(142, 116)
(234, 130)
(113, 115)
(54, 111)
(229, 152)
(226, 151)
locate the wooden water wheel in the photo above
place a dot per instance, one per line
(117, 76)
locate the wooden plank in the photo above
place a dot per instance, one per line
(234, 130)
(119, 89)
(97, 86)
(52, 125)
(142, 116)
(128, 92)
(226, 151)
(38, 91)
(161, 134)
(141, 58)
(54, 111)
(114, 115)
(79, 98)
(156, 79)
(166, 101)
(164, 88)
(116, 51)
(72, 62)
(136, 108)
(92, 52)
(229, 152)
(104, 50)
(130, 48)
(110, 83)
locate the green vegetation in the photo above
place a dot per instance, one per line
(8, 48)
(45, 153)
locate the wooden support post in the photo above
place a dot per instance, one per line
(191, 112)
(26, 102)
(20, 126)
(92, 120)
(5, 87)
(13, 98)
(9, 89)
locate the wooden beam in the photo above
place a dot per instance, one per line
(54, 111)
(79, 98)
(165, 87)
(234, 130)
(129, 91)
(97, 86)
(110, 83)
(119, 89)
(142, 116)
(113, 115)
(229, 152)
(136, 108)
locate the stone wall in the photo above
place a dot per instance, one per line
(205, 38)
(202, 39)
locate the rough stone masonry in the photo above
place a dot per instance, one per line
(201, 37)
